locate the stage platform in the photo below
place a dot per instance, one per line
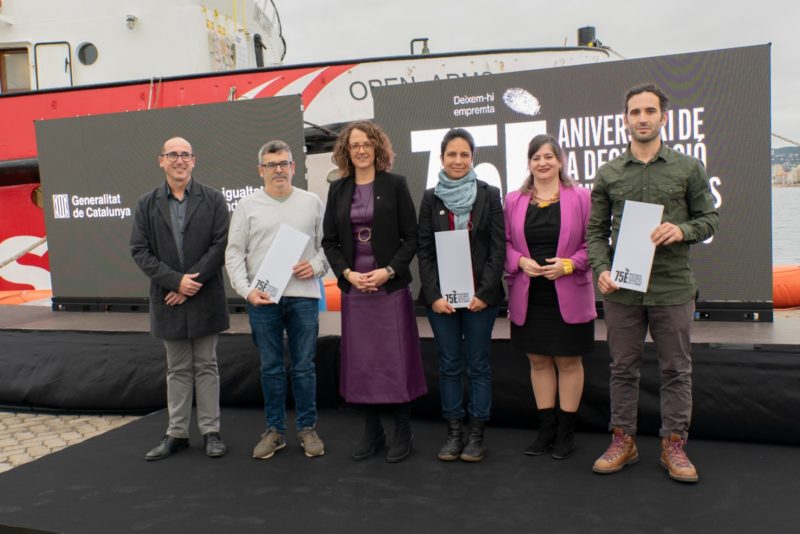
(104, 485)
(784, 331)
(745, 374)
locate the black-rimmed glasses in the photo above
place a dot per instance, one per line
(272, 165)
(173, 156)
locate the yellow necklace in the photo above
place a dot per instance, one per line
(544, 202)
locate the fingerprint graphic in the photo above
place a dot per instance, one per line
(521, 101)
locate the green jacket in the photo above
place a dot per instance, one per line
(677, 182)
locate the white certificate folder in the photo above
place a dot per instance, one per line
(633, 254)
(275, 271)
(454, 260)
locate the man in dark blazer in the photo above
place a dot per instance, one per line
(180, 231)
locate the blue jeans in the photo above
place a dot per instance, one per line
(464, 337)
(299, 316)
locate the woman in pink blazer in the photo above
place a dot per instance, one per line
(551, 297)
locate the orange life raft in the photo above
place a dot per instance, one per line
(786, 286)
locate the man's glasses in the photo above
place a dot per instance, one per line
(272, 166)
(356, 147)
(173, 156)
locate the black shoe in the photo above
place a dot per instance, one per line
(401, 446)
(400, 450)
(547, 433)
(565, 442)
(168, 445)
(452, 448)
(474, 449)
(374, 438)
(215, 447)
(369, 445)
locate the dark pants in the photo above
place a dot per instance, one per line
(670, 327)
(463, 339)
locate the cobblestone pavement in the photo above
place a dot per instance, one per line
(24, 437)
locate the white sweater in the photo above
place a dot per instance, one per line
(255, 223)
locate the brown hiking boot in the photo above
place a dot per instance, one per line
(620, 453)
(675, 461)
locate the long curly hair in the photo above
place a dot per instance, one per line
(384, 155)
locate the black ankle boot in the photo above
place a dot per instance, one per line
(474, 449)
(547, 433)
(565, 443)
(451, 450)
(401, 447)
(374, 438)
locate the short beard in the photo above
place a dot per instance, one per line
(645, 139)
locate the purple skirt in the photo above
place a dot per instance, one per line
(381, 357)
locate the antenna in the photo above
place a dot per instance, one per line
(424, 41)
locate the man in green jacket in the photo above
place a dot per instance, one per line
(652, 172)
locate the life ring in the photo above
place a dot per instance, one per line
(786, 286)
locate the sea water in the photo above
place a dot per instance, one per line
(785, 225)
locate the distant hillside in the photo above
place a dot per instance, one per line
(789, 157)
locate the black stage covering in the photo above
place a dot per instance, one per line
(104, 485)
(742, 392)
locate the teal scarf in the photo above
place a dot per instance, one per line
(458, 196)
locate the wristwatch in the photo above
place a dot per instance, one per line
(390, 271)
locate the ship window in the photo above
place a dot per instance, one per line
(87, 53)
(15, 71)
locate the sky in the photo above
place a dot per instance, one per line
(323, 30)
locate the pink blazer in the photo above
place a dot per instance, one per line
(575, 291)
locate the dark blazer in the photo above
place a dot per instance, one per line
(204, 241)
(394, 228)
(487, 242)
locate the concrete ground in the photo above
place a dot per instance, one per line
(24, 437)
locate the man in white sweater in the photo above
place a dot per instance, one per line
(253, 227)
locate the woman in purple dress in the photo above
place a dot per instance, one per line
(370, 237)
